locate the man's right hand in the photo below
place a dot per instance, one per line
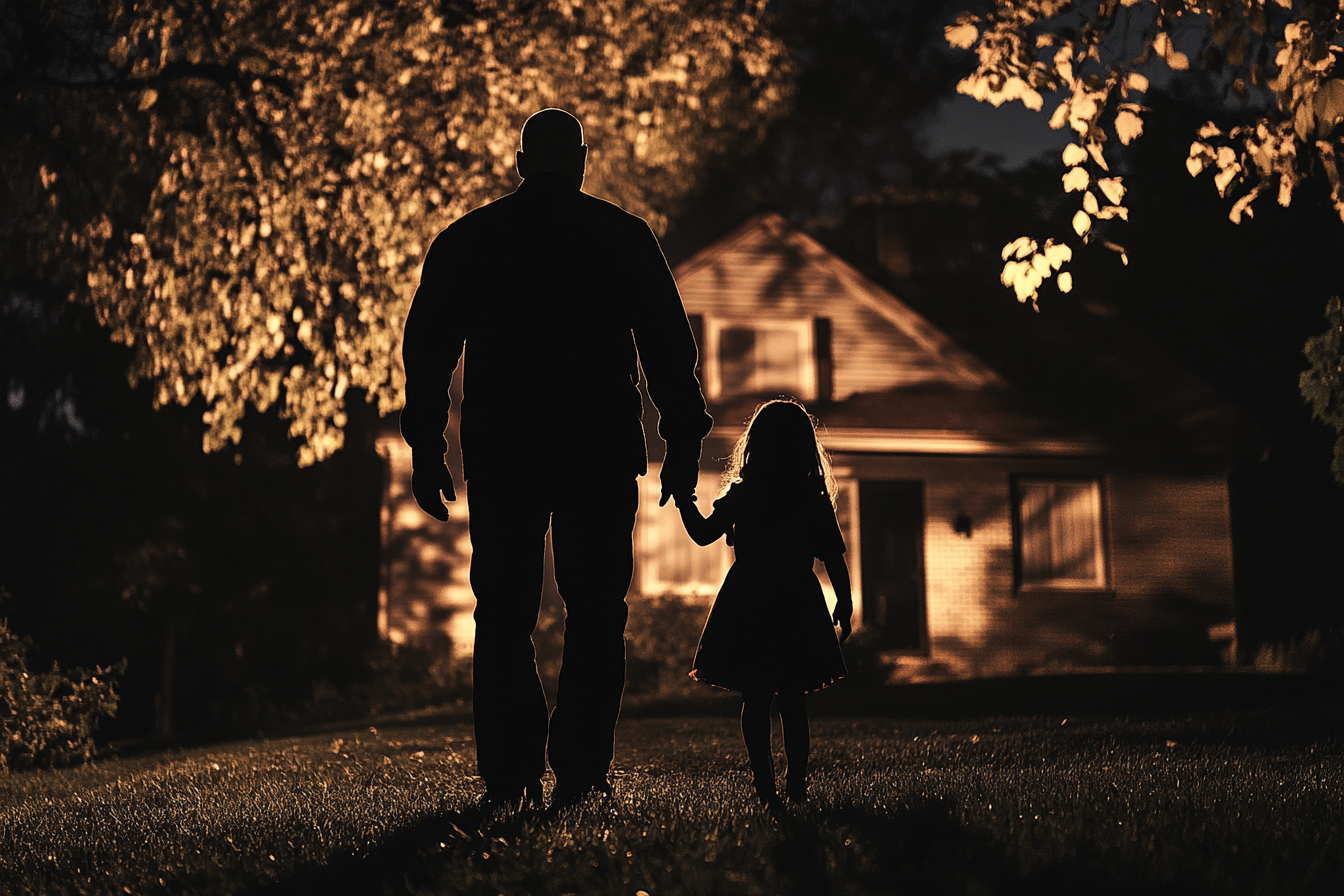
(427, 484)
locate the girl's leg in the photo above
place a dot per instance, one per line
(797, 743)
(756, 735)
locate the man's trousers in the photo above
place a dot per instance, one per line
(591, 529)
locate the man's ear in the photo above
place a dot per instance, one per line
(524, 168)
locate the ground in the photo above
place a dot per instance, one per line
(1226, 801)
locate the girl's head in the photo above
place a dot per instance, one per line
(780, 445)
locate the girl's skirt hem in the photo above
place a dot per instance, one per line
(742, 686)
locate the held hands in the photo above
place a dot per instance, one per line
(426, 485)
(844, 609)
(679, 479)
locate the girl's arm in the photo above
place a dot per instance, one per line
(838, 573)
(702, 531)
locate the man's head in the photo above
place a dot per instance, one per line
(553, 141)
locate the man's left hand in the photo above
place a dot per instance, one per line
(679, 478)
(426, 485)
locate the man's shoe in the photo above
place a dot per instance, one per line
(509, 800)
(565, 795)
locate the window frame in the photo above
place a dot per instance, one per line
(1101, 583)
(803, 327)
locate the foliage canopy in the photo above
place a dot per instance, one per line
(247, 189)
(1282, 59)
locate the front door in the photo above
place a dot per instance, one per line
(891, 534)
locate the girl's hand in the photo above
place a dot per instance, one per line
(844, 610)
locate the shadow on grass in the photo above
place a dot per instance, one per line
(850, 850)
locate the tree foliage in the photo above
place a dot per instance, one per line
(246, 189)
(1322, 384)
(1279, 56)
(1283, 60)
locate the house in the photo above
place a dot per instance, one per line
(1072, 515)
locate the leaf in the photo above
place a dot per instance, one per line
(1113, 188)
(1057, 254)
(1065, 281)
(1081, 223)
(1128, 126)
(1304, 120)
(1060, 116)
(1209, 129)
(1328, 104)
(1224, 178)
(1094, 149)
(1090, 204)
(962, 35)
(1243, 207)
(1074, 154)
(1019, 248)
(1076, 179)
(1136, 81)
(148, 98)
(1117, 248)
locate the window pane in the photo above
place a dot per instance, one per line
(778, 361)
(736, 359)
(1035, 529)
(1059, 527)
(1073, 532)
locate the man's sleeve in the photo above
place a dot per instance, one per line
(430, 349)
(667, 352)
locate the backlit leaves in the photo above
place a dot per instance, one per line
(300, 157)
(1026, 268)
(1089, 55)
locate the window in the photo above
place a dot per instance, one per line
(669, 562)
(760, 358)
(1059, 537)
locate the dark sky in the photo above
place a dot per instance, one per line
(1012, 131)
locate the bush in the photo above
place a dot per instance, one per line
(48, 718)
(660, 641)
(1316, 651)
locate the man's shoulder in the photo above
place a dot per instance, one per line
(611, 214)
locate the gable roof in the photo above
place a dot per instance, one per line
(948, 368)
(766, 262)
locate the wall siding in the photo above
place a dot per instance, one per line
(761, 278)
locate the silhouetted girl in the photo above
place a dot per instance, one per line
(769, 633)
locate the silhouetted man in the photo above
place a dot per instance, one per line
(558, 298)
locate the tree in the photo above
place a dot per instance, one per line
(244, 191)
(1279, 60)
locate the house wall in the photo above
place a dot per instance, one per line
(424, 596)
(1168, 545)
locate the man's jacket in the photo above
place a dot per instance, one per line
(558, 299)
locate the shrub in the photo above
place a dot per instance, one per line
(48, 718)
(660, 641)
(1315, 651)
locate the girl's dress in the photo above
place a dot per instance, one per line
(769, 628)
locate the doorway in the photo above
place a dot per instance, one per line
(891, 535)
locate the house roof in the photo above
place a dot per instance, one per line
(1077, 379)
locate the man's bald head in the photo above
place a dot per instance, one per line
(552, 141)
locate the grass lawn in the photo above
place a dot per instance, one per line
(1213, 802)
